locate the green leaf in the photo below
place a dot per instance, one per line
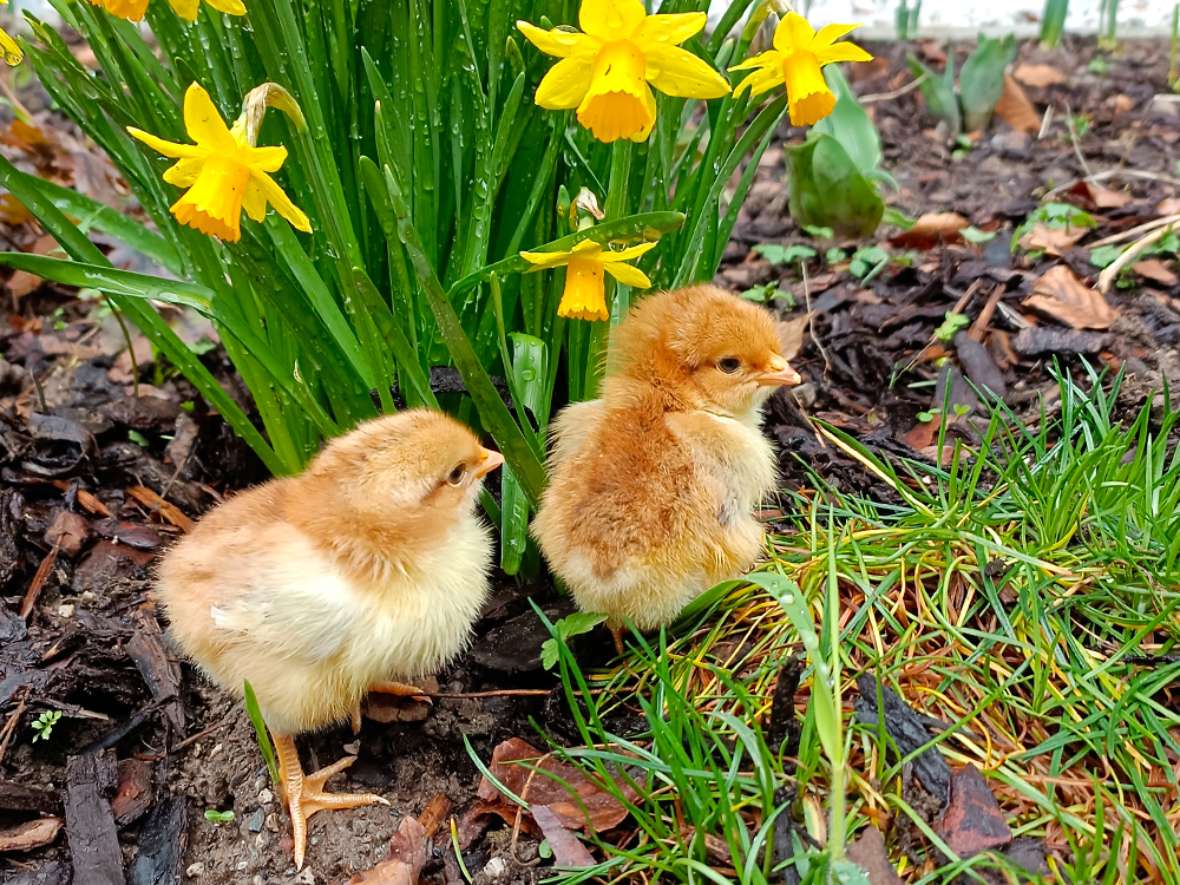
(976, 236)
(778, 254)
(260, 733)
(981, 82)
(827, 189)
(952, 324)
(850, 125)
(1104, 256)
(566, 629)
(219, 817)
(939, 93)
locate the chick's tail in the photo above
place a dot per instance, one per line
(305, 795)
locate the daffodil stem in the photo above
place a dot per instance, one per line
(617, 195)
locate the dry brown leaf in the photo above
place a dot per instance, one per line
(602, 810)
(1015, 109)
(30, 835)
(409, 849)
(1039, 75)
(1095, 196)
(868, 853)
(1155, 270)
(1169, 206)
(568, 851)
(792, 333)
(1061, 295)
(22, 282)
(13, 211)
(931, 229)
(1051, 240)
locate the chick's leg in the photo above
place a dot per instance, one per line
(616, 633)
(305, 795)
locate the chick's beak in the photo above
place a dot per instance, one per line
(779, 374)
(491, 460)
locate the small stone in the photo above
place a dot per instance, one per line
(242, 866)
(65, 610)
(353, 748)
(495, 868)
(265, 797)
(260, 782)
(195, 870)
(272, 822)
(260, 841)
(255, 821)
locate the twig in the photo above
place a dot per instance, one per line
(1130, 234)
(979, 327)
(13, 721)
(497, 693)
(1119, 173)
(1077, 148)
(193, 738)
(1046, 122)
(811, 319)
(38, 582)
(896, 93)
(1110, 273)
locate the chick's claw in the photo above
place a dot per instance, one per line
(399, 690)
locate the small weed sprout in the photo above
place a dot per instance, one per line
(217, 817)
(43, 725)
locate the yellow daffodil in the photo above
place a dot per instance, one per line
(223, 172)
(133, 10)
(584, 297)
(605, 70)
(10, 50)
(797, 60)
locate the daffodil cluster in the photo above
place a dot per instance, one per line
(134, 10)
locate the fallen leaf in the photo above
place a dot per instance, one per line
(1156, 271)
(932, 229)
(530, 782)
(22, 282)
(1039, 75)
(68, 530)
(1016, 110)
(1054, 241)
(1169, 206)
(973, 821)
(868, 852)
(1061, 295)
(13, 211)
(921, 435)
(1095, 196)
(792, 333)
(1121, 103)
(30, 835)
(568, 851)
(409, 849)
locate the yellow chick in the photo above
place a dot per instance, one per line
(369, 567)
(653, 486)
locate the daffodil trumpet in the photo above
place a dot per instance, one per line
(225, 172)
(586, 264)
(607, 70)
(797, 62)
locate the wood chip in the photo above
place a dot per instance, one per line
(90, 825)
(30, 835)
(1061, 295)
(973, 821)
(166, 509)
(134, 794)
(1015, 109)
(161, 843)
(160, 672)
(86, 499)
(38, 583)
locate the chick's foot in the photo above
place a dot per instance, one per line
(305, 795)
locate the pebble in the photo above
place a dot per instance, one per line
(255, 821)
(242, 866)
(65, 611)
(495, 868)
(272, 822)
(265, 797)
(195, 870)
(353, 748)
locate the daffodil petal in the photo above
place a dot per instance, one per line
(544, 260)
(186, 9)
(9, 49)
(163, 147)
(769, 58)
(183, 173)
(677, 72)
(558, 42)
(278, 198)
(760, 81)
(630, 253)
(842, 52)
(793, 33)
(565, 85)
(255, 201)
(829, 34)
(203, 121)
(229, 7)
(671, 28)
(628, 275)
(611, 19)
(267, 159)
(809, 98)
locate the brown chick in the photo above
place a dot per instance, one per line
(653, 486)
(370, 566)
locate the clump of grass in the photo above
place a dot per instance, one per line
(1027, 595)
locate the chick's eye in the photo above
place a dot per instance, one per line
(729, 364)
(456, 476)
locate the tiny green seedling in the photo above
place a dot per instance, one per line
(770, 292)
(43, 725)
(819, 232)
(138, 438)
(1099, 65)
(219, 817)
(867, 262)
(977, 237)
(1054, 215)
(1080, 124)
(779, 255)
(952, 324)
(566, 629)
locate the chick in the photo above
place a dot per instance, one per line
(371, 566)
(653, 486)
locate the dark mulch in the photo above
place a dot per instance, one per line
(89, 444)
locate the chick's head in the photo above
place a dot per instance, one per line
(708, 347)
(418, 470)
